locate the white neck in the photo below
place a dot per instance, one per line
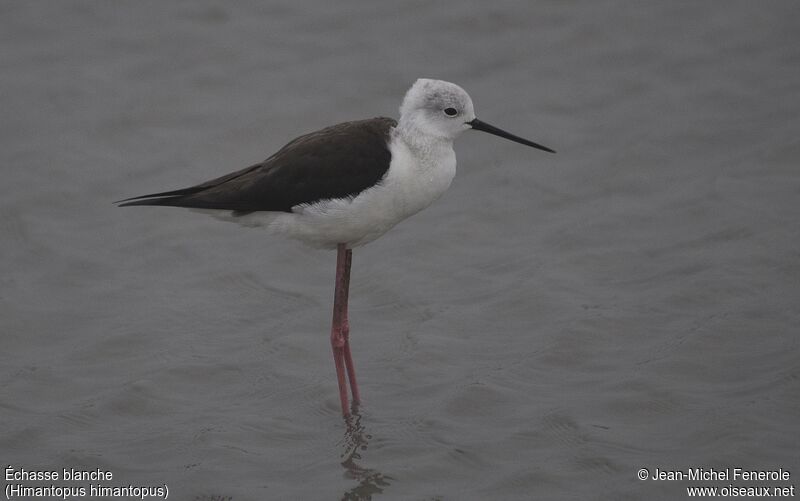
(422, 142)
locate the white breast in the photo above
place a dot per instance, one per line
(418, 175)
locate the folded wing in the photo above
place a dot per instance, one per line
(336, 162)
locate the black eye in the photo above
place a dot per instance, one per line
(450, 112)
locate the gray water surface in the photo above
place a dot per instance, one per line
(550, 326)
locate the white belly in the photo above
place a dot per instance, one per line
(412, 183)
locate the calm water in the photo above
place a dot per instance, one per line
(550, 326)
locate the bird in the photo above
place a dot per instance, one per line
(343, 186)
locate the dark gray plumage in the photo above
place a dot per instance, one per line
(335, 162)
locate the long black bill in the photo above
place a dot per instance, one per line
(491, 129)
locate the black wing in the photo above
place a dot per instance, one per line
(336, 162)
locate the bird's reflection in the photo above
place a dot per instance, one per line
(370, 482)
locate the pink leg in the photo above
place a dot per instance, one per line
(348, 358)
(340, 328)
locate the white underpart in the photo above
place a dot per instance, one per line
(421, 170)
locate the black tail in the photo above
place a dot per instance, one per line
(167, 201)
(162, 198)
(176, 198)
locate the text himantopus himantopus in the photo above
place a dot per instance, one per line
(344, 186)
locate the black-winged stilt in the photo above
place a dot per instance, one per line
(344, 186)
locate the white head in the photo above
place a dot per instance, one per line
(444, 110)
(437, 108)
